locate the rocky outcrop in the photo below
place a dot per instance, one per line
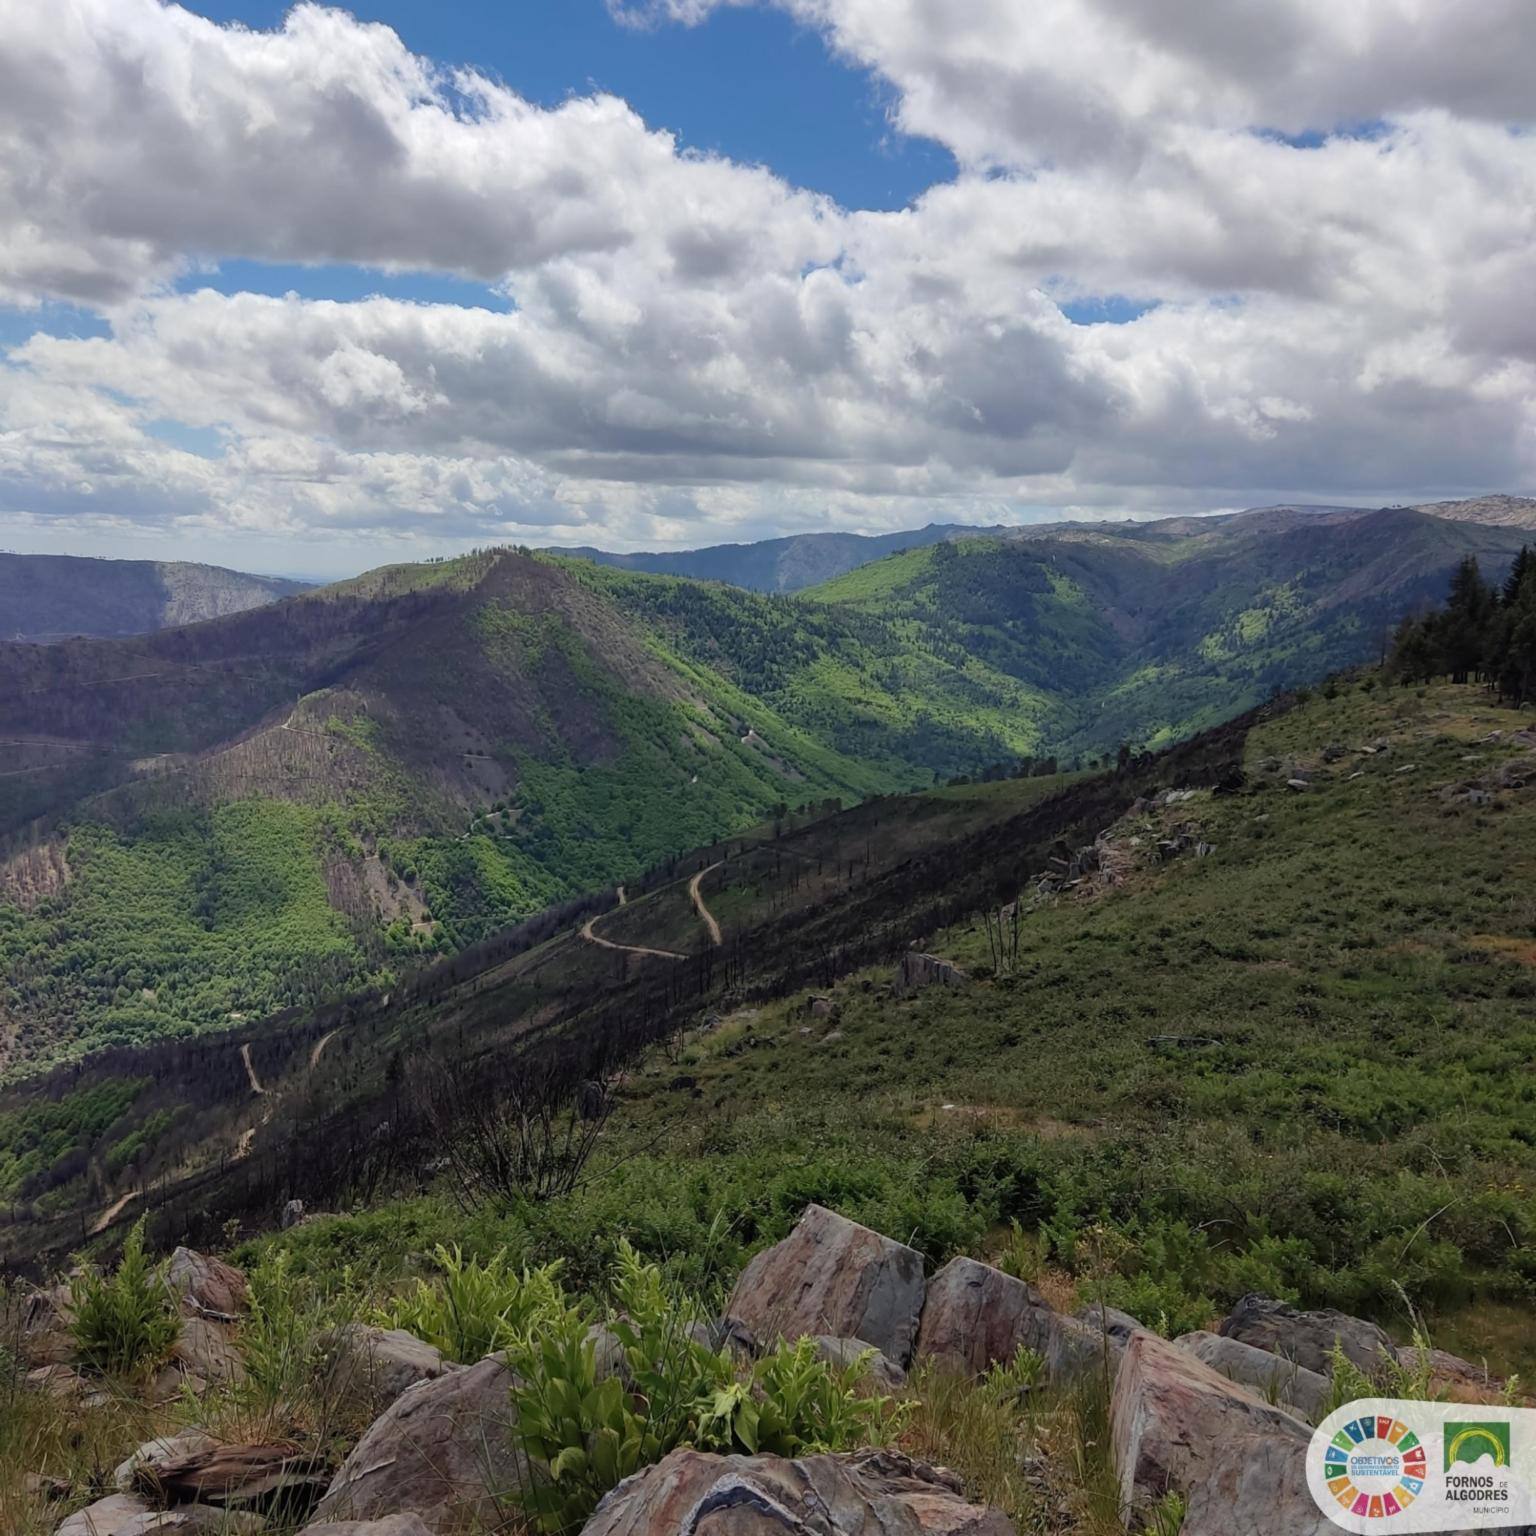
(443, 1450)
(374, 1366)
(879, 1372)
(1271, 1377)
(976, 1316)
(920, 970)
(1308, 1338)
(832, 1276)
(1176, 1425)
(123, 1514)
(870, 1493)
(207, 1285)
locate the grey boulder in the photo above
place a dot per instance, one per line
(122, 1514)
(1308, 1338)
(375, 1365)
(442, 1450)
(832, 1276)
(1177, 1426)
(1272, 1377)
(869, 1493)
(879, 1372)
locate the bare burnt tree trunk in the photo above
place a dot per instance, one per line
(529, 1136)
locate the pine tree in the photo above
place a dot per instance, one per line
(1463, 627)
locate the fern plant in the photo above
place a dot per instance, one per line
(125, 1324)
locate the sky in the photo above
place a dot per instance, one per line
(306, 289)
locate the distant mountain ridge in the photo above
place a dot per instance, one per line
(54, 597)
(799, 561)
(787, 564)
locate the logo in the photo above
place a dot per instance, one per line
(1385, 1466)
(1469, 1444)
(1375, 1466)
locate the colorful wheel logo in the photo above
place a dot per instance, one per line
(1375, 1467)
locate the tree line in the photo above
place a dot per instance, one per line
(1484, 632)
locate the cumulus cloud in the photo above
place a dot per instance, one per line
(694, 349)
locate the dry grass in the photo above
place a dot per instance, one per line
(1041, 1456)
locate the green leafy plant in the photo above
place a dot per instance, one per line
(795, 1403)
(125, 1323)
(1167, 1515)
(474, 1308)
(595, 1403)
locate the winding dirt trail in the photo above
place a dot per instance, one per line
(250, 1070)
(113, 1211)
(319, 1050)
(696, 896)
(628, 949)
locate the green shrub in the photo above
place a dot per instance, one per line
(474, 1308)
(587, 1421)
(128, 1323)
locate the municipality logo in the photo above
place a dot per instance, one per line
(1477, 1458)
(1470, 1444)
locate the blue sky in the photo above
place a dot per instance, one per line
(275, 293)
(751, 84)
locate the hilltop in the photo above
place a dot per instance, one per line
(55, 597)
(215, 822)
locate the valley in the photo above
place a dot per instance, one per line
(207, 824)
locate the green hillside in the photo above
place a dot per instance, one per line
(206, 824)
(1294, 1062)
(1296, 1065)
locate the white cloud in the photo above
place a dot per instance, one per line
(693, 349)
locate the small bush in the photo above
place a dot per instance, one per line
(586, 1422)
(475, 1308)
(128, 1323)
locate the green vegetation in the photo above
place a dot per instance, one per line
(587, 1421)
(196, 918)
(473, 1309)
(1486, 632)
(1118, 1115)
(476, 739)
(123, 1324)
(48, 1139)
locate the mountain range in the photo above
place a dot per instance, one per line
(54, 597)
(208, 823)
